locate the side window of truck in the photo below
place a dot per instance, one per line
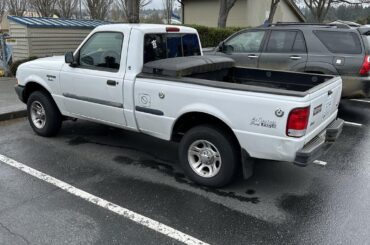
(286, 42)
(102, 51)
(162, 46)
(246, 42)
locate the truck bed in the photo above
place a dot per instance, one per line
(220, 72)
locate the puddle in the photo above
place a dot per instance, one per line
(180, 177)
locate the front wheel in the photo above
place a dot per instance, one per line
(209, 156)
(43, 114)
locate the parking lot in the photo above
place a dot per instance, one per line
(157, 204)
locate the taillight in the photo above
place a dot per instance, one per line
(297, 122)
(365, 68)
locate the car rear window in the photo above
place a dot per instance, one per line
(340, 42)
(169, 45)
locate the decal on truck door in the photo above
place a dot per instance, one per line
(260, 122)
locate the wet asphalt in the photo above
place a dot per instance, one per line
(280, 204)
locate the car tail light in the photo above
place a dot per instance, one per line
(172, 29)
(365, 69)
(297, 122)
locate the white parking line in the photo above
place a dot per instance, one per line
(321, 163)
(353, 124)
(138, 218)
(364, 101)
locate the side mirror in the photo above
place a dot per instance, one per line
(220, 47)
(227, 49)
(70, 59)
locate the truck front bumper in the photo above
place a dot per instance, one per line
(19, 91)
(316, 147)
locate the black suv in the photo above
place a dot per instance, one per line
(337, 49)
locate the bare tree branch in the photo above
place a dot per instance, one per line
(273, 8)
(320, 8)
(133, 11)
(2, 8)
(16, 7)
(225, 7)
(66, 8)
(168, 7)
(98, 9)
(123, 6)
(44, 8)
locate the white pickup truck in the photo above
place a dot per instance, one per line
(153, 79)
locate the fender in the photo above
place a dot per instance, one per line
(40, 81)
(37, 79)
(203, 108)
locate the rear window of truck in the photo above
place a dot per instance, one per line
(162, 46)
(340, 42)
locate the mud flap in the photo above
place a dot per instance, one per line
(247, 164)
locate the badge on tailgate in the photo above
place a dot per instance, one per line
(328, 106)
(317, 109)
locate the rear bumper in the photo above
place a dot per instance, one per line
(19, 91)
(316, 147)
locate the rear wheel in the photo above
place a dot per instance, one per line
(43, 114)
(209, 156)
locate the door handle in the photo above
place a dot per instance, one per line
(294, 57)
(253, 56)
(112, 83)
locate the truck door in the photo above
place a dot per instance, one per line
(245, 47)
(285, 50)
(93, 87)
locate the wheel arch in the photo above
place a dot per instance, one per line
(189, 120)
(192, 119)
(320, 68)
(32, 87)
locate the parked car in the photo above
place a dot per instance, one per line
(152, 79)
(335, 49)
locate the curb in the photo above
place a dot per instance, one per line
(13, 115)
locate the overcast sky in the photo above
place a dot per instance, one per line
(158, 4)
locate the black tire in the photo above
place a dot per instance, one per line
(224, 144)
(53, 118)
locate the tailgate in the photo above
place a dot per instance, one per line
(324, 103)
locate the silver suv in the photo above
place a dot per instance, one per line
(335, 49)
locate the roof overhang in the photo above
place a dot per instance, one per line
(296, 10)
(36, 22)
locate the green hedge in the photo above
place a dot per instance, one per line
(212, 36)
(14, 66)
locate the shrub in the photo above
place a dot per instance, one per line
(14, 66)
(212, 36)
